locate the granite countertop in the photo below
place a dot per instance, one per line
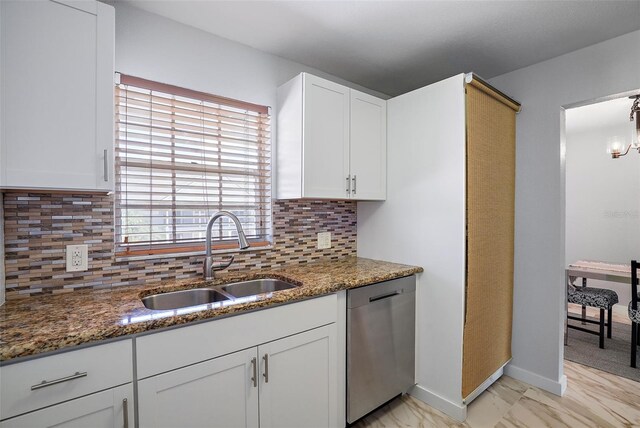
(49, 323)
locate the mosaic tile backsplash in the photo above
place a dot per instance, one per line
(38, 227)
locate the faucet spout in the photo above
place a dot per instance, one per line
(209, 268)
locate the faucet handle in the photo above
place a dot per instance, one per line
(225, 264)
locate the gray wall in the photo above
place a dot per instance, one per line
(543, 89)
(602, 195)
(153, 47)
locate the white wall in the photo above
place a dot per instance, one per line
(422, 223)
(2, 279)
(602, 194)
(157, 48)
(597, 71)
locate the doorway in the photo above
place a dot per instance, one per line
(602, 226)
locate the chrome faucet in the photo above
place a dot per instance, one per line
(209, 267)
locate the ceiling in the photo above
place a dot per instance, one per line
(397, 46)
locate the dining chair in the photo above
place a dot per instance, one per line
(634, 312)
(600, 298)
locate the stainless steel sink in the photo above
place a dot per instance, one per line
(256, 286)
(183, 298)
(203, 296)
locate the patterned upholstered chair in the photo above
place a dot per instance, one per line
(634, 312)
(600, 298)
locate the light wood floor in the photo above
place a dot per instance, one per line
(619, 313)
(593, 399)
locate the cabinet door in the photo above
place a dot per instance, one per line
(57, 95)
(298, 385)
(106, 409)
(215, 393)
(368, 158)
(325, 151)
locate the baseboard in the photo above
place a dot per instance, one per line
(484, 385)
(563, 385)
(455, 411)
(557, 387)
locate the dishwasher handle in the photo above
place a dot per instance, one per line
(399, 288)
(385, 296)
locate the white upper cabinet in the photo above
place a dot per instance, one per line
(325, 151)
(331, 141)
(368, 147)
(57, 65)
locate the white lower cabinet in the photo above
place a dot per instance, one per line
(298, 388)
(289, 382)
(112, 408)
(81, 388)
(215, 393)
(267, 369)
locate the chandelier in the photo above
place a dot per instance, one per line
(617, 149)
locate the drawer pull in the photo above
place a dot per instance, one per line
(45, 383)
(125, 412)
(105, 171)
(254, 365)
(266, 368)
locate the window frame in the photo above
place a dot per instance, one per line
(125, 249)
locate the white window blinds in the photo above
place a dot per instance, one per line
(182, 155)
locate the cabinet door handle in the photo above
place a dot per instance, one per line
(354, 184)
(105, 172)
(348, 189)
(254, 378)
(125, 412)
(266, 368)
(46, 383)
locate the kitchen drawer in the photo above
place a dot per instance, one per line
(105, 409)
(68, 375)
(179, 347)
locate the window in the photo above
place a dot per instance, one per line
(182, 155)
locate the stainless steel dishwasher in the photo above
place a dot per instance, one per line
(380, 344)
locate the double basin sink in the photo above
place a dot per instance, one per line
(203, 296)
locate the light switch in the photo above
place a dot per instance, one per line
(324, 240)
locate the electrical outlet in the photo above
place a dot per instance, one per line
(324, 240)
(77, 258)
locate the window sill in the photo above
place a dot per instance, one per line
(123, 257)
